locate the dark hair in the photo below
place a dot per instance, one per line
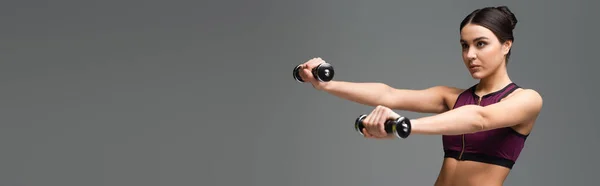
(500, 20)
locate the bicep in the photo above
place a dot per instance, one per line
(430, 100)
(520, 108)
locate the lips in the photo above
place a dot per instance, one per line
(474, 68)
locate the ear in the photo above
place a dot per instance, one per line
(506, 46)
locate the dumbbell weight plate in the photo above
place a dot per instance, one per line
(297, 74)
(403, 127)
(324, 72)
(358, 126)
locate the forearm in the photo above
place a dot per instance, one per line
(364, 93)
(463, 120)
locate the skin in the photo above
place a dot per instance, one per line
(484, 57)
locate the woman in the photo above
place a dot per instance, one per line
(484, 127)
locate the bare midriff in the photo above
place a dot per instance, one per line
(470, 173)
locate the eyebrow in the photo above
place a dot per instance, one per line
(476, 39)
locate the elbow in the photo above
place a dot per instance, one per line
(386, 96)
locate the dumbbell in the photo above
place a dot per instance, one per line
(401, 127)
(323, 72)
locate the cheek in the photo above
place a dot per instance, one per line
(490, 56)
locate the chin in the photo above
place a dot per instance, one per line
(477, 75)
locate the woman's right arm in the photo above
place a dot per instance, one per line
(430, 100)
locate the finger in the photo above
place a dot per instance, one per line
(314, 62)
(373, 126)
(370, 120)
(306, 70)
(366, 133)
(379, 127)
(392, 114)
(306, 75)
(382, 119)
(306, 65)
(365, 121)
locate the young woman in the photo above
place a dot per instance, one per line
(483, 127)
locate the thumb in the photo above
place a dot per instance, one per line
(365, 133)
(307, 75)
(393, 115)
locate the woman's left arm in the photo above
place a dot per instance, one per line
(519, 108)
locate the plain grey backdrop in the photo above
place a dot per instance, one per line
(133, 92)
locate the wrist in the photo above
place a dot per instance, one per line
(417, 126)
(323, 86)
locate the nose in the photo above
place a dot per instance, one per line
(471, 53)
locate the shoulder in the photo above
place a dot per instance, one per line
(527, 97)
(523, 106)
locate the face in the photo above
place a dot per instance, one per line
(482, 52)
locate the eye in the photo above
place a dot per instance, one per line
(464, 46)
(481, 44)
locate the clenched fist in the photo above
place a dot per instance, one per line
(374, 123)
(306, 72)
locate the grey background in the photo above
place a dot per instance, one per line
(136, 92)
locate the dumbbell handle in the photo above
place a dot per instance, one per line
(401, 127)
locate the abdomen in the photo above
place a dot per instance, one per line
(470, 173)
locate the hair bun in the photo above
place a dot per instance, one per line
(511, 16)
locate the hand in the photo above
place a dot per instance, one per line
(374, 123)
(306, 72)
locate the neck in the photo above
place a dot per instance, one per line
(493, 82)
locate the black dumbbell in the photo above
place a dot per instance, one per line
(401, 127)
(323, 72)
